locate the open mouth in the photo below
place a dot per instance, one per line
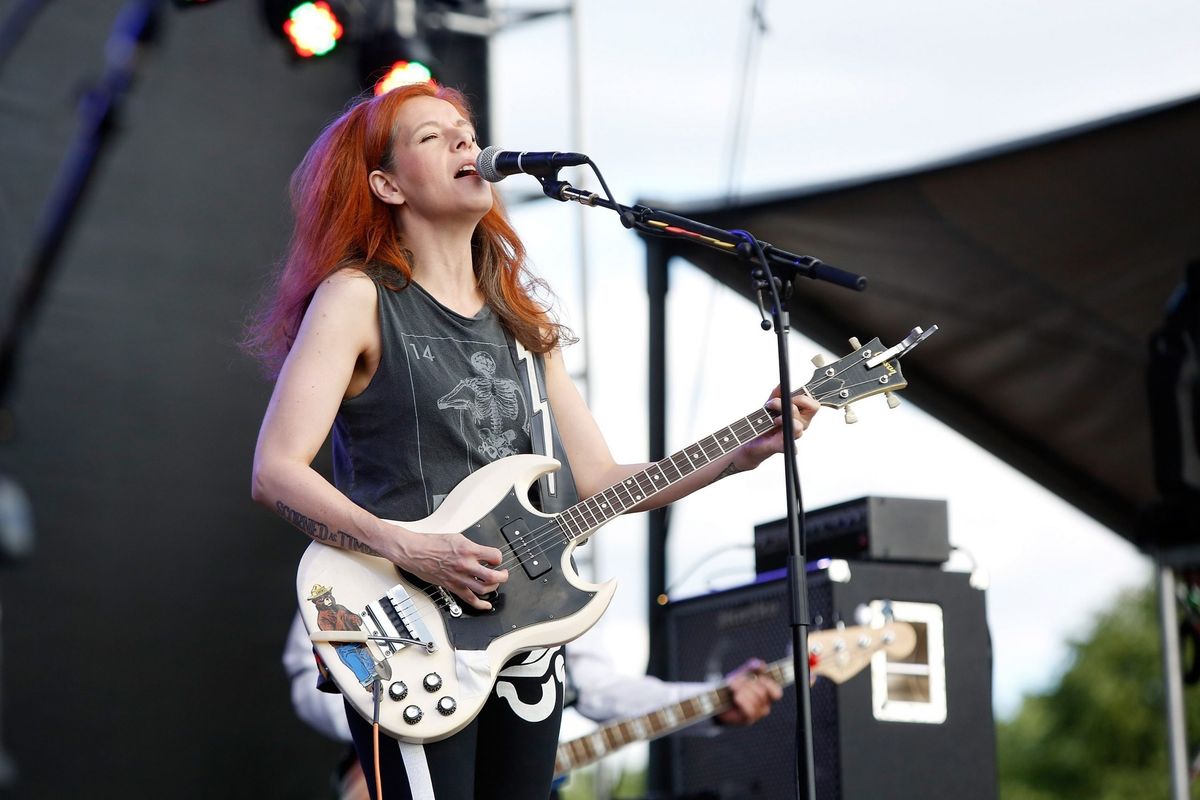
(466, 171)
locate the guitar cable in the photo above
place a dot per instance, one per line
(376, 696)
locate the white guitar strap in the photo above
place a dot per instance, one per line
(556, 489)
(420, 782)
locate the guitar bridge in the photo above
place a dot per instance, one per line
(396, 622)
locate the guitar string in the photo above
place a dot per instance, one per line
(709, 451)
(552, 530)
(547, 532)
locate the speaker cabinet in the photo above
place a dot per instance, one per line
(920, 728)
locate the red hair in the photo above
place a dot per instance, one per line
(340, 223)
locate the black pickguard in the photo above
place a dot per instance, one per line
(521, 601)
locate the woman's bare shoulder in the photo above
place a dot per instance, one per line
(349, 289)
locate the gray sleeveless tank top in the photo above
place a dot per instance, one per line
(451, 394)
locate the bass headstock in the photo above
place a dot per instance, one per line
(867, 370)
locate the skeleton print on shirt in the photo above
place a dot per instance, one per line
(495, 406)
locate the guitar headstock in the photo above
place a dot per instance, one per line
(868, 370)
(841, 653)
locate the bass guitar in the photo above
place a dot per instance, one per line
(437, 659)
(837, 654)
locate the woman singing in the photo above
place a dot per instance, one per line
(400, 320)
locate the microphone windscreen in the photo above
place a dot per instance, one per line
(485, 164)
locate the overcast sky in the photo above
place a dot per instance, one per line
(839, 90)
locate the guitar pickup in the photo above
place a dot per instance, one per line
(534, 560)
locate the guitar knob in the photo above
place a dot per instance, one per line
(851, 417)
(447, 706)
(413, 714)
(855, 343)
(819, 360)
(892, 400)
(398, 690)
(432, 682)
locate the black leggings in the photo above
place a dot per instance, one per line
(506, 753)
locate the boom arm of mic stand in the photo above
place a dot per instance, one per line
(661, 223)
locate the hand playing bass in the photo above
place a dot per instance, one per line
(757, 450)
(752, 691)
(454, 562)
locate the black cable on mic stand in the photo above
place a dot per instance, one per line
(766, 283)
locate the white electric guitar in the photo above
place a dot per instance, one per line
(436, 659)
(838, 654)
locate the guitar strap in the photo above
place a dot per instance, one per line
(556, 490)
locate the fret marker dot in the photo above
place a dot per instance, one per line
(656, 477)
(604, 505)
(637, 497)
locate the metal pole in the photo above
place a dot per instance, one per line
(1173, 682)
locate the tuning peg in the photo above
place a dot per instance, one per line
(819, 360)
(854, 343)
(892, 400)
(851, 417)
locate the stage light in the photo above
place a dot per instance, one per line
(313, 29)
(387, 60)
(403, 73)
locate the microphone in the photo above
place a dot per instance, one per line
(494, 164)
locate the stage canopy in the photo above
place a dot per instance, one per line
(1047, 264)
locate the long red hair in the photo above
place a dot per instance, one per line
(340, 223)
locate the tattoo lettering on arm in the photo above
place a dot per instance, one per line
(320, 531)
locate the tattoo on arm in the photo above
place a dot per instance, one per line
(320, 531)
(730, 469)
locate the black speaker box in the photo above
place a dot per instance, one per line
(916, 729)
(867, 529)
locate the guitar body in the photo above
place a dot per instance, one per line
(437, 679)
(436, 659)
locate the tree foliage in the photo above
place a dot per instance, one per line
(1100, 734)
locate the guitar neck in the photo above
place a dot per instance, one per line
(588, 515)
(867, 371)
(615, 735)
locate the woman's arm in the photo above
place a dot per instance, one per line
(595, 469)
(329, 360)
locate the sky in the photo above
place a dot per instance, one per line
(837, 90)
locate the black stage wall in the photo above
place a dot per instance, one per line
(141, 641)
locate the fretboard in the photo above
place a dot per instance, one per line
(615, 735)
(587, 515)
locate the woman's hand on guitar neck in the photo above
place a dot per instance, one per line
(759, 449)
(452, 561)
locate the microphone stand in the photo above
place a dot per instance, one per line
(760, 257)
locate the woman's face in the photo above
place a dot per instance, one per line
(433, 164)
